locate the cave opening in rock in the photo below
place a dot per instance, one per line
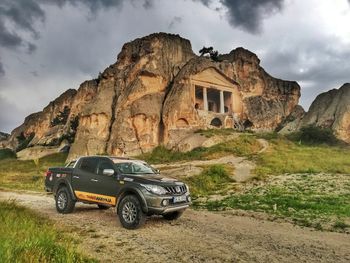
(216, 122)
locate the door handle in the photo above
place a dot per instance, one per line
(74, 176)
(94, 180)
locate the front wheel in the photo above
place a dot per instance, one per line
(64, 202)
(173, 215)
(130, 212)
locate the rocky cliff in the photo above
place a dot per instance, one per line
(56, 123)
(147, 98)
(331, 109)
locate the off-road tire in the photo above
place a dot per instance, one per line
(64, 202)
(103, 207)
(130, 212)
(173, 215)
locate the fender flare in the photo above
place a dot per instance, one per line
(134, 191)
(62, 182)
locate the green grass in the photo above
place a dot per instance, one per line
(308, 200)
(284, 156)
(213, 178)
(28, 237)
(244, 145)
(28, 175)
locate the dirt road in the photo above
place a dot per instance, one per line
(199, 236)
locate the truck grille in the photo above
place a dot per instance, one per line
(178, 189)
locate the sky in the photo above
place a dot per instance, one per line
(49, 46)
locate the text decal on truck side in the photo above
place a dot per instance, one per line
(96, 197)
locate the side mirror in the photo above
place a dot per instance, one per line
(108, 172)
(157, 171)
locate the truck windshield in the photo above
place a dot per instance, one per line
(134, 167)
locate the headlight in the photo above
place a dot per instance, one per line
(156, 189)
(187, 188)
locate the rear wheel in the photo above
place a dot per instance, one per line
(130, 212)
(103, 207)
(64, 202)
(172, 215)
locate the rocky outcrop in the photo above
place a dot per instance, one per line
(3, 139)
(148, 97)
(331, 109)
(125, 116)
(53, 124)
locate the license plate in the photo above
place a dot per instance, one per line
(178, 199)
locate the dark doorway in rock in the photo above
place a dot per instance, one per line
(216, 122)
(247, 124)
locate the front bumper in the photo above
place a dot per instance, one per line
(155, 203)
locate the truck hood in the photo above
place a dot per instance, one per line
(151, 178)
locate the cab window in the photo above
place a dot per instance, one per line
(89, 165)
(104, 164)
(71, 164)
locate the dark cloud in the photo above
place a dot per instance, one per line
(20, 16)
(174, 21)
(315, 64)
(248, 14)
(2, 70)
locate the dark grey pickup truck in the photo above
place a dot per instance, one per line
(135, 188)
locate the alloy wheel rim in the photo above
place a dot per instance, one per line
(129, 212)
(62, 200)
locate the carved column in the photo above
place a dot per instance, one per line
(222, 103)
(205, 99)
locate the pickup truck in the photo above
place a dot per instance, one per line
(136, 189)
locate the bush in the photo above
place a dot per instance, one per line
(23, 141)
(7, 154)
(314, 135)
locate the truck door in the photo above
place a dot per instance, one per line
(83, 177)
(88, 184)
(107, 184)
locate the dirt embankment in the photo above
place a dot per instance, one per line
(198, 236)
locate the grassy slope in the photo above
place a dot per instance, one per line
(27, 237)
(244, 145)
(320, 201)
(27, 175)
(285, 156)
(214, 178)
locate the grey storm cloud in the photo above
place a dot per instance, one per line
(20, 16)
(2, 71)
(248, 14)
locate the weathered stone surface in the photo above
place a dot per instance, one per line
(292, 122)
(130, 98)
(331, 109)
(154, 94)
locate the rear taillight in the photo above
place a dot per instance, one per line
(47, 173)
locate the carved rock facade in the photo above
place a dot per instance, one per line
(157, 92)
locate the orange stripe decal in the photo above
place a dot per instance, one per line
(105, 199)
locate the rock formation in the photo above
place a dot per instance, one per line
(156, 93)
(53, 124)
(3, 139)
(331, 109)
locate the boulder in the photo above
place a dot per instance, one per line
(331, 109)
